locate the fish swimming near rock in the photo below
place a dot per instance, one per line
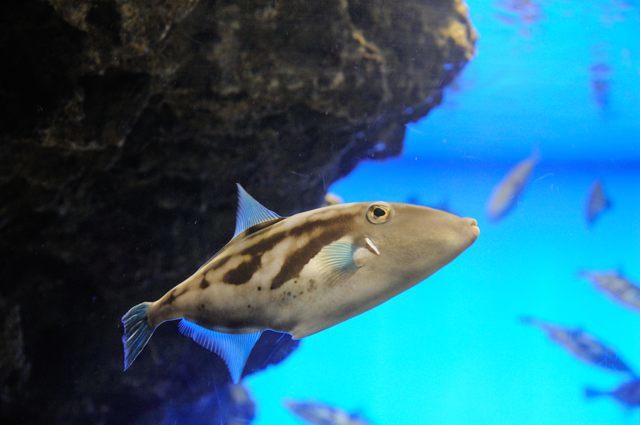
(582, 345)
(627, 394)
(506, 193)
(322, 414)
(597, 202)
(301, 274)
(616, 286)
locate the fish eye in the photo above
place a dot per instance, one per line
(378, 213)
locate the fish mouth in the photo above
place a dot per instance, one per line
(473, 225)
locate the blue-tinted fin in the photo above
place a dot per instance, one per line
(137, 332)
(250, 212)
(336, 260)
(234, 349)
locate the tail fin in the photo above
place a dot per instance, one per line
(137, 332)
(593, 393)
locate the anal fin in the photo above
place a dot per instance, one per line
(234, 349)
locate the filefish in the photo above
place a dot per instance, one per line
(597, 202)
(616, 286)
(322, 414)
(582, 345)
(510, 188)
(301, 274)
(601, 84)
(627, 394)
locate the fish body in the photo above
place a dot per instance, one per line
(507, 192)
(442, 205)
(582, 345)
(597, 203)
(322, 414)
(601, 84)
(627, 394)
(616, 286)
(301, 274)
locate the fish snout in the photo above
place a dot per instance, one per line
(472, 228)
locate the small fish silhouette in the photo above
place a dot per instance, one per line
(332, 199)
(582, 345)
(627, 394)
(601, 84)
(323, 414)
(510, 188)
(616, 286)
(522, 11)
(597, 202)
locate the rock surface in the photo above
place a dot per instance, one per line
(125, 125)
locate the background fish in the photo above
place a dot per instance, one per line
(323, 414)
(509, 189)
(597, 202)
(601, 84)
(582, 346)
(627, 394)
(300, 275)
(228, 405)
(616, 286)
(332, 199)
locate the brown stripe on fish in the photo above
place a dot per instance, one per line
(214, 263)
(256, 228)
(245, 270)
(204, 284)
(331, 230)
(174, 295)
(217, 262)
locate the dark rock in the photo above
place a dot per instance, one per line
(124, 127)
(14, 367)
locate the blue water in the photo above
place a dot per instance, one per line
(450, 350)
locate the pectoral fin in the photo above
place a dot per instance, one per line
(234, 349)
(341, 258)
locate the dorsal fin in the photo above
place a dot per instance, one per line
(234, 349)
(250, 212)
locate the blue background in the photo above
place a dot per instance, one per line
(451, 350)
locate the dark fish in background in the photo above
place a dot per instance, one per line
(332, 199)
(508, 190)
(627, 394)
(601, 84)
(523, 13)
(597, 202)
(322, 414)
(582, 345)
(616, 286)
(227, 404)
